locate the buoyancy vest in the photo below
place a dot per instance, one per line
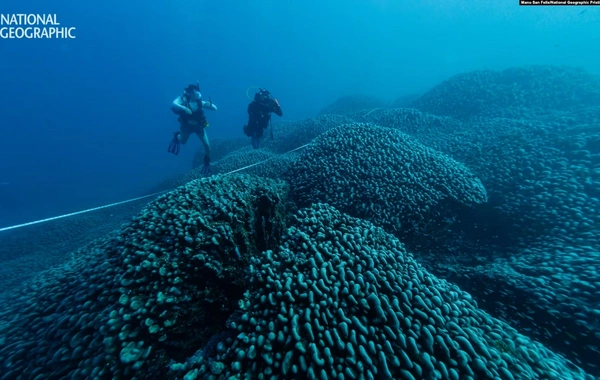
(196, 118)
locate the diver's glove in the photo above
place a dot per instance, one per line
(175, 144)
(206, 168)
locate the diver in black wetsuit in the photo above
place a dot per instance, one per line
(259, 115)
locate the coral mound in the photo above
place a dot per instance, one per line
(156, 292)
(491, 93)
(384, 176)
(343, 299)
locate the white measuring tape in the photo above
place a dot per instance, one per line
(134, 199)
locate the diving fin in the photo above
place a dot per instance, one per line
(175, 144)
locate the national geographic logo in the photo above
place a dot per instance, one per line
(33, 26)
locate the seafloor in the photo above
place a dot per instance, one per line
(452, 235)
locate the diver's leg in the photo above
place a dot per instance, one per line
(184, 135)
(204, 140)
(259, 135)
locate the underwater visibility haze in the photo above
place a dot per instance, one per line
(297, 190)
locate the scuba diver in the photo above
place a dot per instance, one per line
(259, 115)
(190, 108)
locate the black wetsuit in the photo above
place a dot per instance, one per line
(259, 115)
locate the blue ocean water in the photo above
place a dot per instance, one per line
(86, 121)
(352, 256)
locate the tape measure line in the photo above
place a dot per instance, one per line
(133, 199)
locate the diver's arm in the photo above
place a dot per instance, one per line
(178, 106)
(209, 105)
(276, 108)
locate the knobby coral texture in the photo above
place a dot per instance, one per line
(454, 237)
